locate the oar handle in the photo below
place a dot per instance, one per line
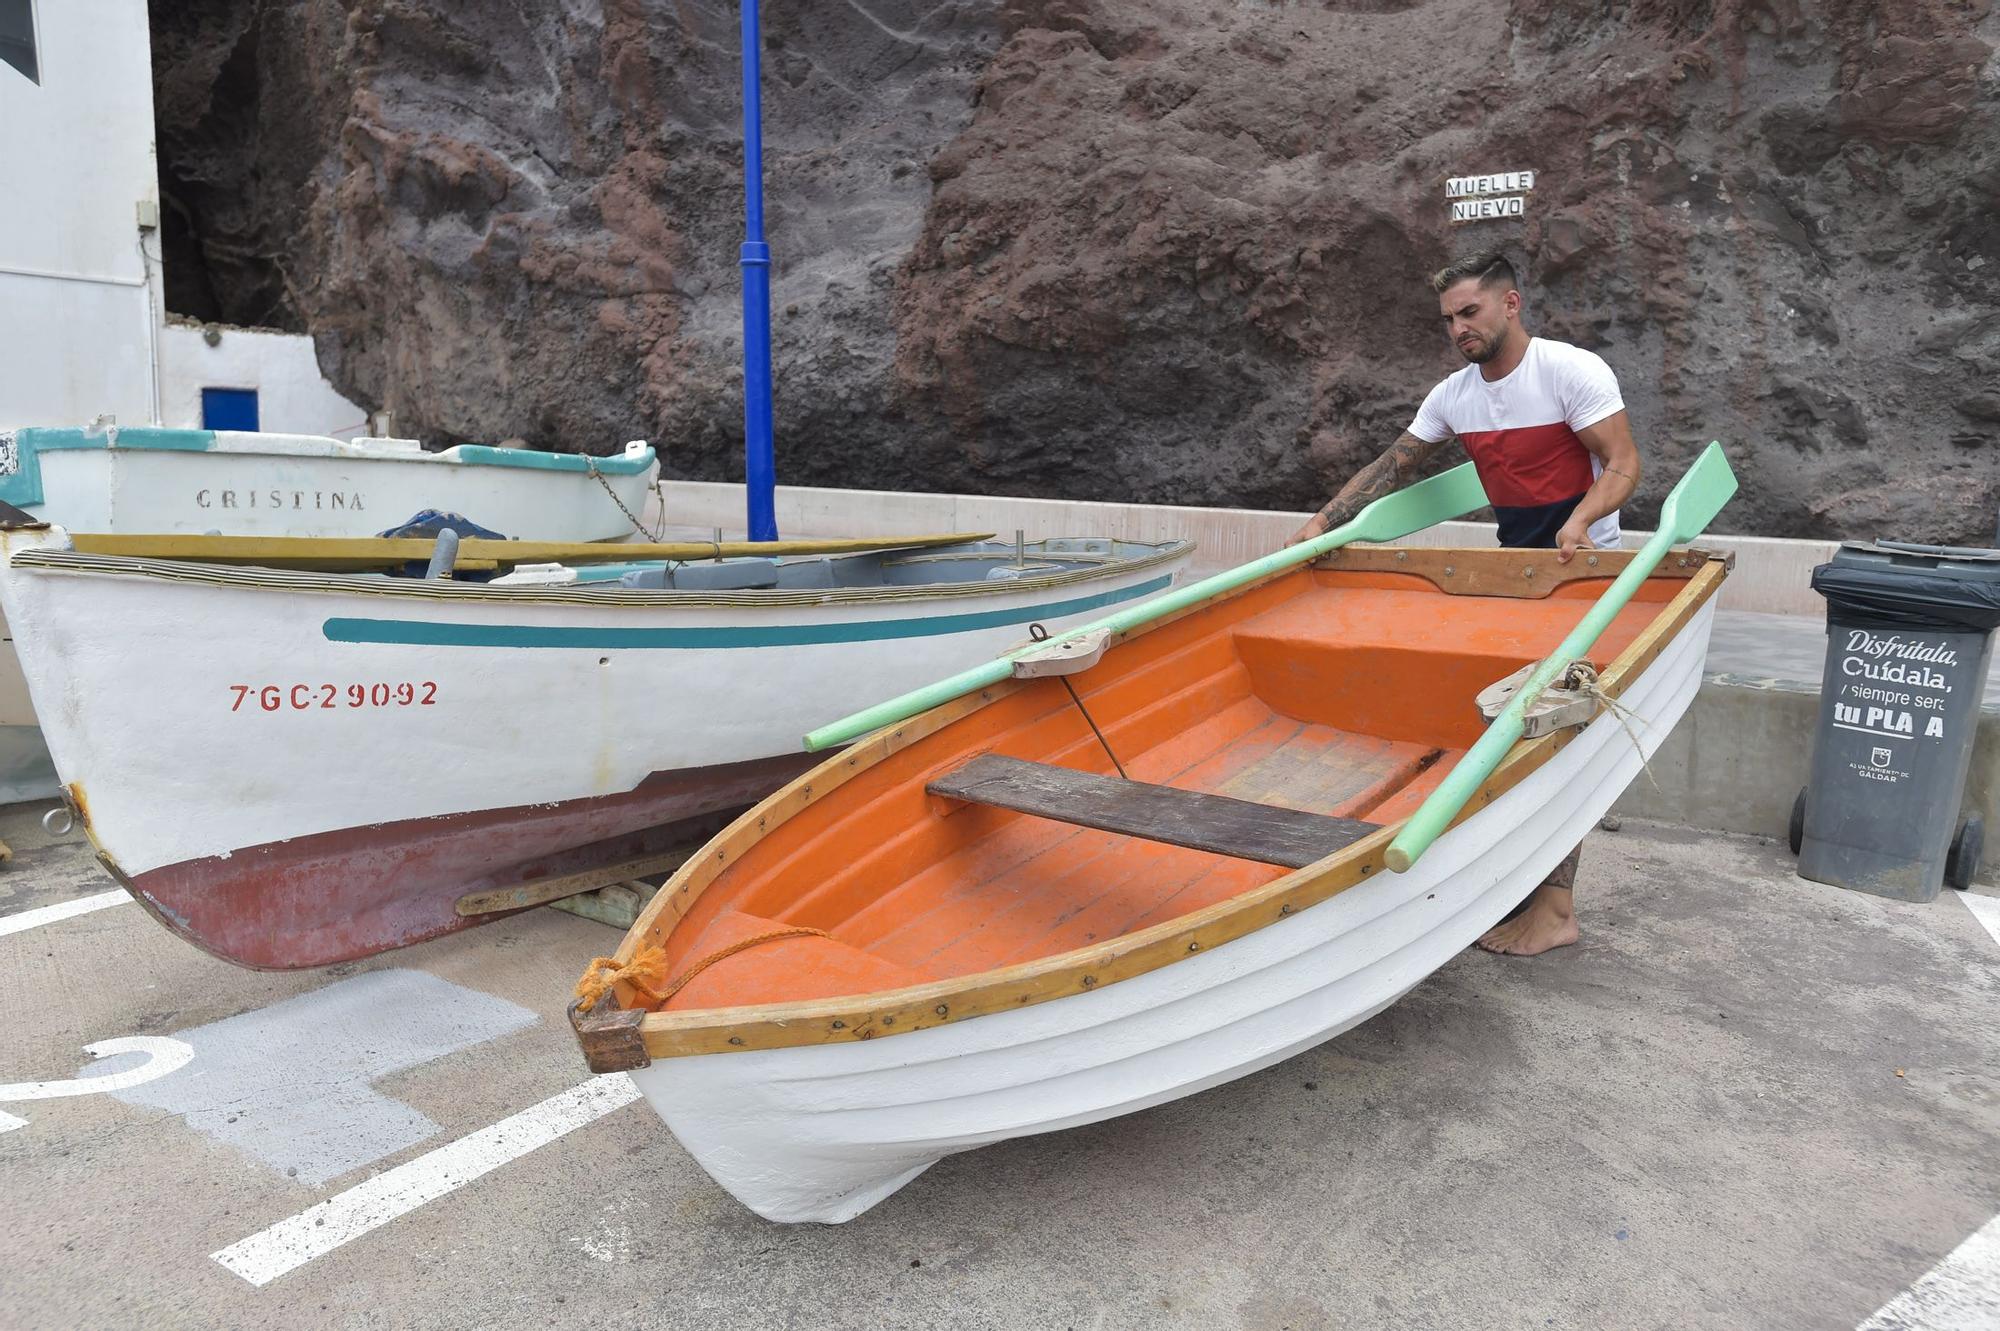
(1451, 494)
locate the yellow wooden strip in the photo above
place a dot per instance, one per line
(356, 552)
(540, 890)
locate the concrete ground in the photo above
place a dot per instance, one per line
(1743, 1101)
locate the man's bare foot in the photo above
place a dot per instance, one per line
(1548, 923)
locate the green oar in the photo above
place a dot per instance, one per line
(1689, 509)
(1452, 494)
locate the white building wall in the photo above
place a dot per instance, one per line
(82, 320)
(292, 398)
(77, 309)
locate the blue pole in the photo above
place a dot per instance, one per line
(760, 464)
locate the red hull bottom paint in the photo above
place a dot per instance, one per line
(335, 896)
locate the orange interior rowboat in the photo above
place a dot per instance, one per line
(970, 927)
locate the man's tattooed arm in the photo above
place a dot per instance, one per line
(1397, 468)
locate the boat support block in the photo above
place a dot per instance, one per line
(609, 1035)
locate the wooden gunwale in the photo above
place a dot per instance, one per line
(1521, 574)
(892, 1012)
(46, 560)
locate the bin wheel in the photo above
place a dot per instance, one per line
(1962, 864)
(1797, 833)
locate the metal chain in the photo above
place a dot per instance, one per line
(590, 465)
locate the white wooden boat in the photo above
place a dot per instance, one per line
(962, 930)
(239, 483)
(296, 768)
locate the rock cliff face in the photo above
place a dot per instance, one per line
(1138, 249)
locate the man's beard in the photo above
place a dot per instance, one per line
(1487, 349)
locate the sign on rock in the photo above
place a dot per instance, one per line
(1501, 194)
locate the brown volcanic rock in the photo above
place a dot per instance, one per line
(524, 220)
(1180, 253)
(1146, 249)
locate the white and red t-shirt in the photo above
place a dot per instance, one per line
(1521, 433)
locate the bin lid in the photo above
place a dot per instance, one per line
(1955, 588)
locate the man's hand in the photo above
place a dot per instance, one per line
(1574, 536)
(1610, 442)
(1315, 526)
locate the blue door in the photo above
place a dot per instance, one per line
(228, 408)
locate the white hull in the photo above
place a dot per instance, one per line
(207, 711)
(243, 484)
(824, 1132)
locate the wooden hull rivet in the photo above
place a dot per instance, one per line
(736, 1039)
(1090, 981)
(943, 1010)
(1194, 947)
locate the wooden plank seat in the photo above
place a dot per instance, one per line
(1240, 829)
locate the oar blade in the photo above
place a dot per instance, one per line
(1699, 496)
(1445, 496)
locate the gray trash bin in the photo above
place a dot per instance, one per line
(1909, 639)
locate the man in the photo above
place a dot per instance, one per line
(1546, 427)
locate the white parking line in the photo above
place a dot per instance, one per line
(314, 1232)
(1961, 1291)
(1984, 909)
(35, 919)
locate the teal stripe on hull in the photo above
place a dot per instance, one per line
(535, 460)
(423, 633)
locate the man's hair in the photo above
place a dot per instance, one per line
(1490, 269)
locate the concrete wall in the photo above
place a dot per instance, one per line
(292, 398)
(77, 312)
(1740, 756)
(1770, 575)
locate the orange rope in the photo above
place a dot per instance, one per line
(648, 966)
(646, 969)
